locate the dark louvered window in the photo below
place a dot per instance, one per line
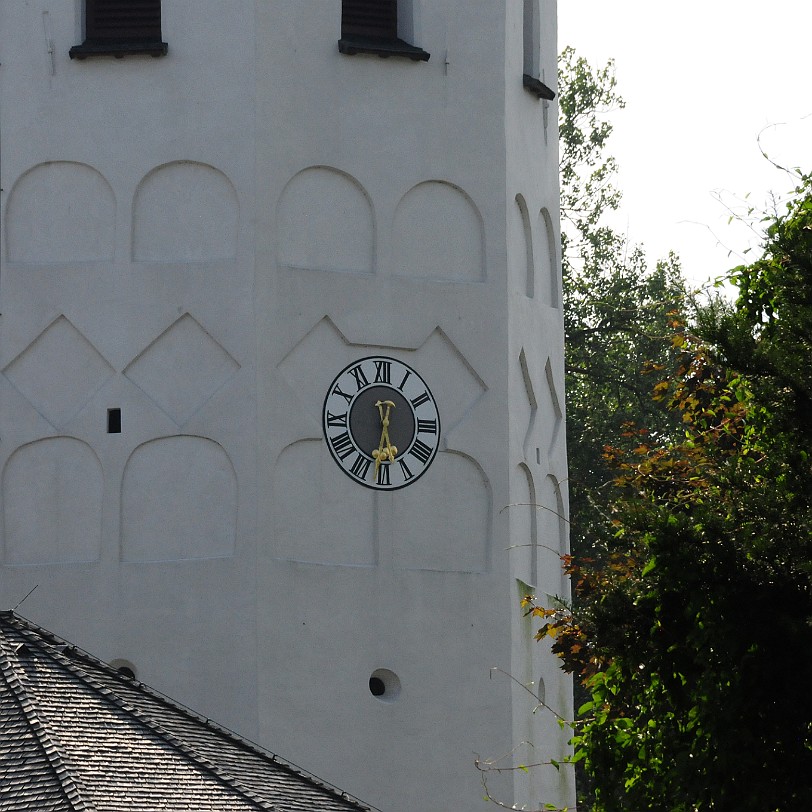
(122, 20)
(530, 78)
(120, 27)
(371, 27)
(369, 18)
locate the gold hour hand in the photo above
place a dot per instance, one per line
(385, 452)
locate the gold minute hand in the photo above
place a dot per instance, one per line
(385, 450)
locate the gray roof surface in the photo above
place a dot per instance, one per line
(76, 735)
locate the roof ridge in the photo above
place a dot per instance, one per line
(53, 642)
(71, 787)
(111, 697)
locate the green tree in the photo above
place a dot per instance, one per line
(693, 636)
(586, 98)
(616, 308)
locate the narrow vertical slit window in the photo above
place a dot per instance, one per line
(530, 38)
(114, 421)
(531, 44)
(121, 27)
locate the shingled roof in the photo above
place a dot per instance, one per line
(77, 735)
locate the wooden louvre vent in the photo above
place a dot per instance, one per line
(371, 27)
(123, 20)
(119, 27)
(369, 18)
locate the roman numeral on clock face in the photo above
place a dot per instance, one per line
(337, 391)
(421, 451)
(342, 445)
(361, 380)
(383, 371)
(420, 400)
(383, 475)
(336, 421)
(361, 466)
(427, 427)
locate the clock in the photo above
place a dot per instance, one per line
(381, 423)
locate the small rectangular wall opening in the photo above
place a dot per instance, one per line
(114, 421)
(120, 28)
(382, 27)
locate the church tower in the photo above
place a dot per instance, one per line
(281, 371)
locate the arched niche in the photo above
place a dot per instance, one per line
(178, 501)
(438, 234)
(549, 266)
(52, 498)
(185, 211)
(524, 526)
(443, 520)
(526, 261)
(325, 222)
(320, 515)
(60, 212)
(551, 536)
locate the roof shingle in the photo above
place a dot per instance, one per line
(79, 736)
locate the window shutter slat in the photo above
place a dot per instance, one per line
(123, 20)
(370, 18)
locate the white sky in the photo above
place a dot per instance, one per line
(701, 80)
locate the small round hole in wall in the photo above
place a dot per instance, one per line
(384, 685)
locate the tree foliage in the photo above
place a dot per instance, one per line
(693, 632)
(616, 307)
(689, 435)
(585, 98)
(617, 312)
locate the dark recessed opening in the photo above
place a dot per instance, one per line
(384, 685)
(125, 668)
(114, 421)
(121, 27)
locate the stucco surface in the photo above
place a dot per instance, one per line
(203, 241)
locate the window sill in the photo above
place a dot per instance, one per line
(537, 87)
(118, 49)
(384, 48)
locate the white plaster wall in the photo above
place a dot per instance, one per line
(425, 143)
(204, 240)
(126, 279)
(536, 384)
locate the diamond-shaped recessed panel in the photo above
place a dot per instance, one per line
(59, 372)
(315, 360)
(182, 369)
(454, 383)
(530, 407)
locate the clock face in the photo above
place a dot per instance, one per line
(381, 423)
